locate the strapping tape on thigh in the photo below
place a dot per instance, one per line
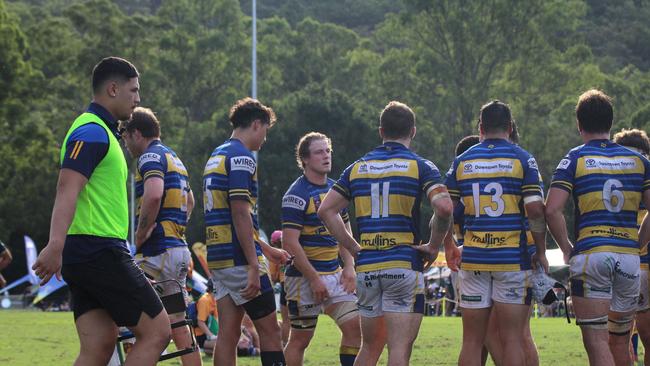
(620, 327)
(304, 323)
(345, 311)
(594, 323)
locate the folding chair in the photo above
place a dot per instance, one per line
(174, 303)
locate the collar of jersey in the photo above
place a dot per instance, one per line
(154, 142)
(104, 115)
(393, 145)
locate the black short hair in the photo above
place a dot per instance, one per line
(145, 121)
(302, 149)
(247, 110)
(112, 68)
(495, 116)
(634, 138)
(594, 112)
(397, 120)
(466, 142)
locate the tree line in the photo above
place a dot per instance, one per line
(323, 66)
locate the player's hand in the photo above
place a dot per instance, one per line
(349, 279)
(429, 253)
(453, 256)
(252, 288)
(48, 263)
(142, 236)
(3, 282)
(540, 260)
(277, 255)
(319, 290)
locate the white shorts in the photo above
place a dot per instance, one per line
(230, 281)
(644, 292)
(299, 292)
(479, 288)
(393, 290)
(173, 264)
(609, 276)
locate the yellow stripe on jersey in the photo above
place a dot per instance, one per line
(385, 240)
(175, 165)
(174, 198)
(614, 165)
(492, 239)
(154, 173)
(321, 253)
(490, 168)
(511, 204)
(173, 229)
(490, 267)
(228, 263)
(611, 249)
(76, 150)
(216, 164)
(218, 234)
(314, 230)
(390, 167)
(219, 199)
(593, 201)
(609, 231)
(384, 265)
(397, 205)
(311, 206)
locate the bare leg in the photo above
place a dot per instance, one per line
(152, 335)
(97, 333)
(402, 329)
(594, 340)
(475, 324)
(373, 343)
(230, 317)
(511, 321)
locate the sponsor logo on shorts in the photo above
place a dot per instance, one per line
(148, 158)
(293, 201)
(512, 293)
(386, 276)
(242, 163)
(365, 307)
(601, 289)
(622, 273)
(471, 298)
(400, 302)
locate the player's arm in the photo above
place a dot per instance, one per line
(328, 213)
(534, 206)
(190, 204)
(555, 202)
(644, 229)
(5, 258)
(349, 275)
(346, 256)
(154, 188)
(291, 243)
(241, 217)
(201, 317)
(68, 187)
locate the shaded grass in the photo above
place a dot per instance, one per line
(32, 337)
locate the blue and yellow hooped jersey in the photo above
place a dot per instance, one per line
(491, 180)
(230, 174)
(607, 181)
(161, 161)
(299, 206)
(386, 186)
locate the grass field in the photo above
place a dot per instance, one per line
(37, 338)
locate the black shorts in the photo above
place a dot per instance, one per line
(111, 281)
(200, 340)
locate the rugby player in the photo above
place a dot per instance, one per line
(608, 183)
(637, 140)
(386, 186)
(315, 280)
(165, 202)
(492, 179)
(234, 246)
(90, 223)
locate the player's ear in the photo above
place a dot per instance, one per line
(414, 130)
(381, 132)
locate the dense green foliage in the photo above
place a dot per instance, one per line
(326, 66)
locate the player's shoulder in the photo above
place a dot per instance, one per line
(153, 154)
(297, 195)
(90, 132)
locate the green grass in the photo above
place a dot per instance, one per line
(37, 338)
